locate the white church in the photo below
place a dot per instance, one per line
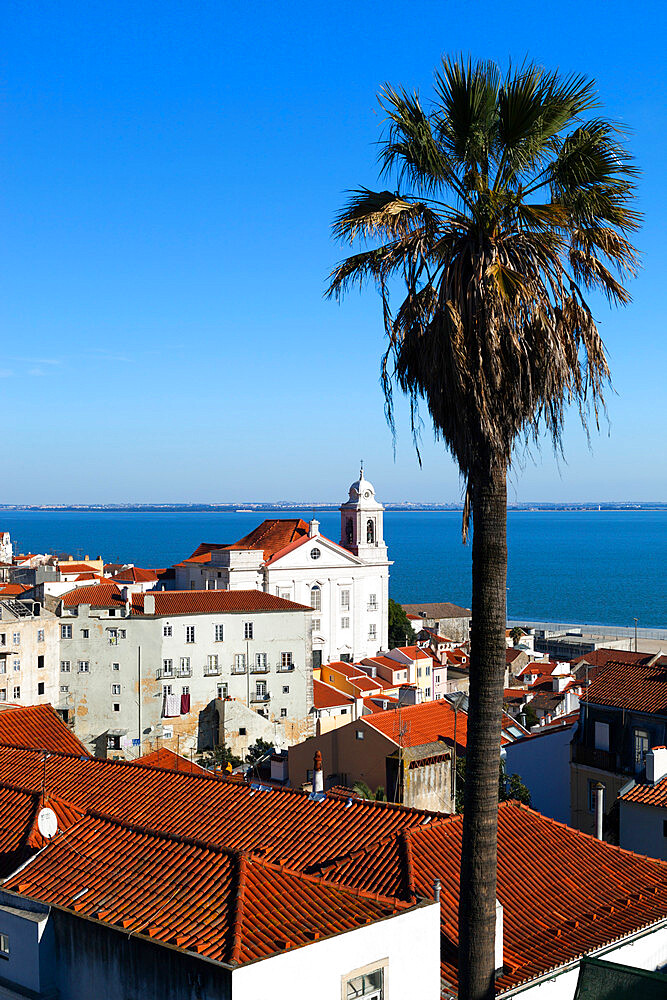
(345, 583)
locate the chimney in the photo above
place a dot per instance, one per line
(318, 780)
(598, 788)
(313, 528)
(499, 963)
(656, 764)
(149, 604)
(436, 890)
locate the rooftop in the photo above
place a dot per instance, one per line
(180, 602)
(325, 696)
(164, 757)
(437, 611)
(637, 685)
(272, 535)
(38, 727)
(135, 575)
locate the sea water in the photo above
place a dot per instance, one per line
(570, 566)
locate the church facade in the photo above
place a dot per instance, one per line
(346, 583)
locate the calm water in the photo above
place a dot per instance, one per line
(588, 566)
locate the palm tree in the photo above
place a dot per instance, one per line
(512, 203)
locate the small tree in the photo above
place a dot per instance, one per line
(258, 750)
(512, 787)
(400, 629)
(364, 791)
(531, 715)
(516, 635)
(220, 756)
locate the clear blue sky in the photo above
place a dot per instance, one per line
(170, 173)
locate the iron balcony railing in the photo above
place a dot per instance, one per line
(284, 668)
(211, 671)
(260, 696)
(605, 760)
(257, 669)
(185, 671)
(238, 670)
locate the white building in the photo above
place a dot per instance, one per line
(6, 548)
(28, 653)
(346, 583)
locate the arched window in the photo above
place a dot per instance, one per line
(349, 530)
(316, 598)
(370, 532)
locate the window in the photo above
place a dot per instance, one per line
(85, 633)
(369, 986)
(349, 530)
(372, 602)
(4, 945)
(641, 748)
(115, 688)
(286, 661)
(3, 638)
(260, 688)
(64, 688)
(419, 671)
(40, 635)
(239, 663)
(17, 665)
(316, 598)
(84, 666)
(40, 662)
(3, 694)
(115, 666)
(370, 532)
(189, 633)
(167, 631)
(283, 713)
(3, 666)
(167, 689)
(427, 692)
(167, 668)
(242, 731)
(345, 623)
(247, 630)
(219, 633)
(315, 553)
(113, 742)
(113, 636)
(17, 692)
(112, 612)
(116, 706)
(40, 687)
(64, 666)
(317, 624)
(222, 691)
(185, 689)
(427, 671)
(601, 736)
(372, 631)
(359, 734)
(185, 665)
(261, 661)
(212, 663)
(345, 600)
(285, 688)
(16, 638)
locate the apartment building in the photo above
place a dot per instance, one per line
(29, 672)
(145, 667)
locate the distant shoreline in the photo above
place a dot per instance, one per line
(277, 508)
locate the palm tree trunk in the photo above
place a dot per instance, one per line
(477, 911)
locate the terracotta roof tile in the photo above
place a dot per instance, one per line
(635, 686)
(135, 575)
(19, 833)
(99, 595)
(75, 567)
(649, 795)
(423, 723)
(183, 602)
(600, 894)
(273, 535)
(37, 727)
(326, 696)
(224, 905)
(166, 758)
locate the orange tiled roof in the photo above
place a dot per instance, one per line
(199, 897)
(164, 757)
(38, 727)
(635, 686)
(185, 602)
(414, 652)
(135, 575)
(326, 696)
(649, 795)
(273, 535)
(600, 657)
(75, 567)
(286, 825)
(600, 895)
(19, 833)
(13, 589)
(98, 595)
(425, 723)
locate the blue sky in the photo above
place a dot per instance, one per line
(170, 174)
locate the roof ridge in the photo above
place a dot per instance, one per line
(239, 909)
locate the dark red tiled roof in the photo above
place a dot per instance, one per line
(197, 896)
(286, 826)
(184, 602)
(554, 911)
(19, 833)
(37, 727)
(635, 686)
(135, 575)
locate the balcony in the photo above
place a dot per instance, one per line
(605, 760)
(238, 670)
(161, 673)
(255, 669)
(260, 696)
(285, 668)
(185, 671)
(372, 607)
(211, 671)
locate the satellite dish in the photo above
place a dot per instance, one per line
(47, 823)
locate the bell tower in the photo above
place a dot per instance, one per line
(361, 522)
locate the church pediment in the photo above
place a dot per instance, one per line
(313, 553)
